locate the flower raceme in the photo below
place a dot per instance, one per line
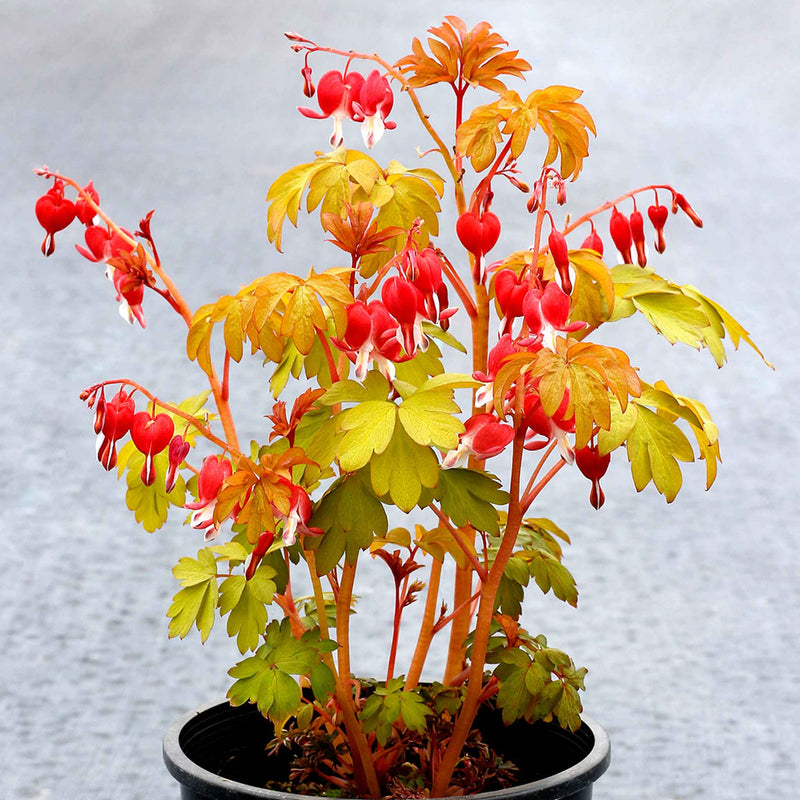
(351, 96)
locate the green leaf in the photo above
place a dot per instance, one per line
(469, 497)
(403, 469)
(266, 677)
(549, 574)
(391, 704)
(247, 601)
(351, 515)
(196, 603)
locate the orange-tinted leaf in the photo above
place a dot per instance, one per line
(477, 57)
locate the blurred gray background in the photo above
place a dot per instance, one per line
(688, 618)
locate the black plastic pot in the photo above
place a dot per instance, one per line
(217, 753)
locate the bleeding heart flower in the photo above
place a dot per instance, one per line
(103, 244)
(406, 304)
(130, 294)
(658, 217)
(478, 234)
(484, 436)
(298, 515)
(547, 312)
(424, 269)
(679, 201)
(83, 210)
(505, 347)
(555, 427)
(213, 473)
(336, 94)
(54, 213)
(593, 466)
(510, 290)
(114, 422)
(151, 434)
(374, 103)
(558, 249)
(371, 335)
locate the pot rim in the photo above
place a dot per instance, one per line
(573, 779)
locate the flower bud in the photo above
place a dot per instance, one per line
(308, 86)
(83, 210)
(620, 229)
(637, 233)
(658, 217)
(679, 201)
(560, 253)
(593, 242)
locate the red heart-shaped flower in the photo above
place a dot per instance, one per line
(54, 212)
(510, 292)
(151, 434)
(478, 234)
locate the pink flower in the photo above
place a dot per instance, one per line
(213, 474)
(484, 436)
(299, 514)
(555, 427)
(406, 304)
(336, 94)
(547, 312)
(103, 244)
(130, 294)
(54, 213)
(375, 101)
(497, 355)
(371, 335)
(151, 434)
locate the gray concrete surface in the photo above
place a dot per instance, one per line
(688, 614)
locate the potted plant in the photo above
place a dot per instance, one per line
(375, 429)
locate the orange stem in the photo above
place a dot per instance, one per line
(426, 627)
